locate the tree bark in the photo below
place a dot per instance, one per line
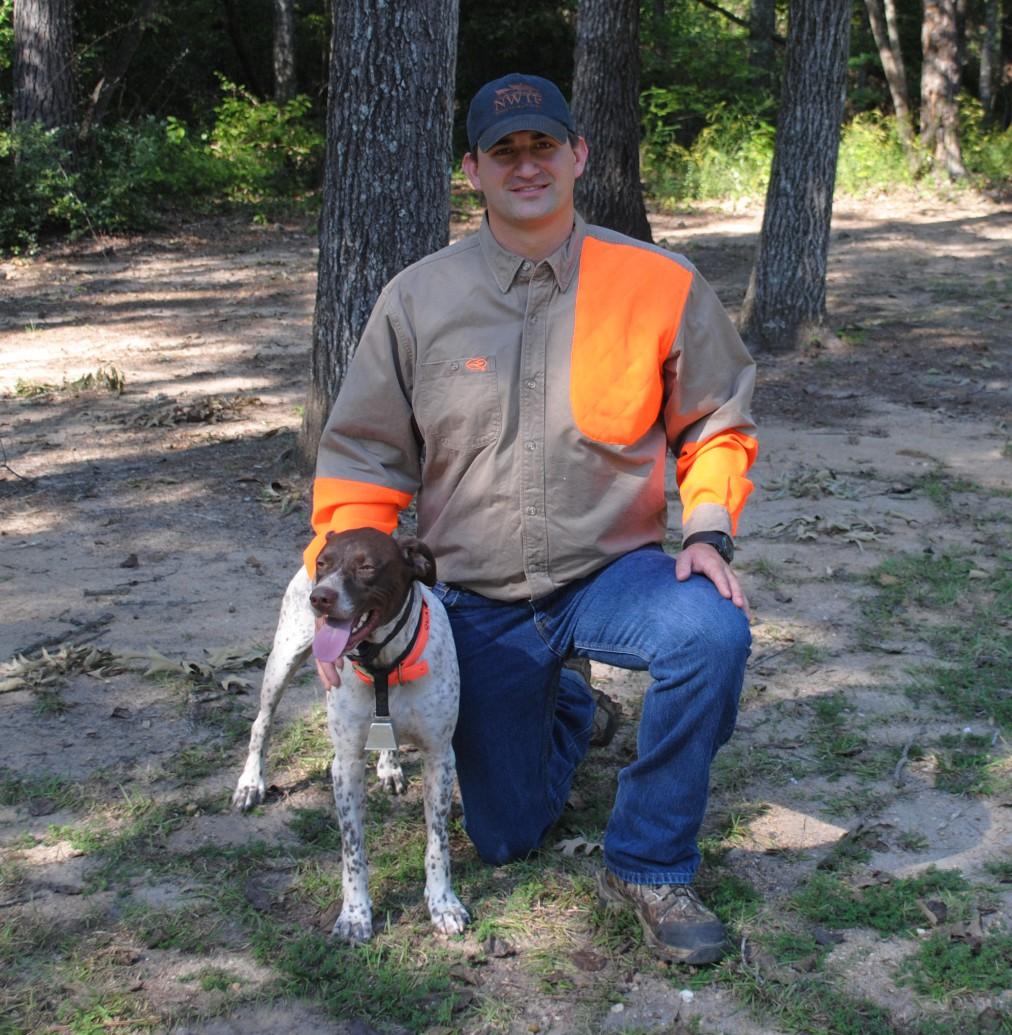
(606, 81)
(785, 304)
(883, 27)
(386, 197)
(989, 57)
(43, 63)
(762, 27)
(115, 71)
(284, 51)
(940, 75)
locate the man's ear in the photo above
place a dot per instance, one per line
(469, 163)
(419, 560)
(580, 150)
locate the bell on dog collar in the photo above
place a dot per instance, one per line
(381, 735)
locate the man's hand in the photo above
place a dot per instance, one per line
(703, 559)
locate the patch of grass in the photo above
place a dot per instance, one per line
(20, 790)
(944, 967)
(106, 378)
(196, 761)
(182, 929)
(891, 908)
(316, 827)
(965, 765)
(372, 981)
(305, 741)
(912, 841)
(50, 704)
(1000, 869)
(939, 486)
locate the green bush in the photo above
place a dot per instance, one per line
(270, 150)
(871, 156)
(987, 152)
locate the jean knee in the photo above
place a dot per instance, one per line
(498, 848)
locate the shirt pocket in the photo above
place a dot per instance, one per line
(456, 403)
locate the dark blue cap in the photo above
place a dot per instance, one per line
(517, 102)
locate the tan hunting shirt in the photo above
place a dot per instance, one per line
(529, 407)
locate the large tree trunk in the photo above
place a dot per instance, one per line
(233, 22)
(606, 80)
(939, 87)
(284, 51)
(43, 62)
(785, 304)
(762, 27)
(883, 27)
(114, 72)
(989, 57)
(386, 197)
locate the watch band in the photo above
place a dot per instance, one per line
(720, 541)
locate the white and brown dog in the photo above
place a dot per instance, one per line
(371, 595)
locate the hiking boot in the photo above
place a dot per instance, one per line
(606, 714)
(676, 924)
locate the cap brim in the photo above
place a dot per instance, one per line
(531, 121)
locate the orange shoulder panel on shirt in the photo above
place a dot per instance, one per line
(629, 304)
(340, 504)
(713, 471)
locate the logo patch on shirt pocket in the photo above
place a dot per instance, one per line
(456, 403)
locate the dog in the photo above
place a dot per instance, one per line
(371, 596)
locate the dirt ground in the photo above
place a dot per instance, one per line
(159, 525)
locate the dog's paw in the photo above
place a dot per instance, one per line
(448, 915)
(353, 926)
(247, 795)
(391, 776)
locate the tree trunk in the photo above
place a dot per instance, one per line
(284, 51)
(883, 27)
(989, 57)
(762, 27)
(939, 87)
(43, 63)
(785, 304)
(386, 196)
(122, 56)
(606, 88)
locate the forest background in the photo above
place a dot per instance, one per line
(215, 104)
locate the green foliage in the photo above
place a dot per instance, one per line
(270, 150)
(890, 908)
(6, 35)
(987, 153)
(871, 156)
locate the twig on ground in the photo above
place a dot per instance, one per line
(904, 758)
(5, 464)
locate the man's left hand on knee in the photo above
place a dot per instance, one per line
(703, 559)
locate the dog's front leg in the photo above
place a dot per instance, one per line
(355, 921)
(292, 642)
(448, 915)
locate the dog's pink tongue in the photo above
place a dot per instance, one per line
(331, 639)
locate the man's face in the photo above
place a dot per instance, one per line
(527, 177)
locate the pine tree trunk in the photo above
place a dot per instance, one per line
(940, 75)
(762, 22)
(43, 63)
(386, 199)
(284, 51)
(989, 57)
(785, 304)
(883, 27)
(605, 109)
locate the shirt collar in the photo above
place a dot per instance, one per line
(505, 265)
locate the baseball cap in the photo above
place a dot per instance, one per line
(514, 102)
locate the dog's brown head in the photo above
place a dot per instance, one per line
(362, 579)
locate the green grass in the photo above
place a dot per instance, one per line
(890, 908)
(944, 967)
(966, 764)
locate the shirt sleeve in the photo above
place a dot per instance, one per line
(709, 378)
(368, 466)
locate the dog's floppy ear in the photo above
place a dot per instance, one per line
(419, 559)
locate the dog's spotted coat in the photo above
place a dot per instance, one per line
(365, 572)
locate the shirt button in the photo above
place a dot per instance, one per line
(454, 366)
(525, 265)
(532, 384)
(531, 446)
(532, 511)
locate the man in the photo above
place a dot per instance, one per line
(524, 385)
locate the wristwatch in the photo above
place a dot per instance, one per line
(720, 541)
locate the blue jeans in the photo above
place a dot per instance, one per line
(525, 722)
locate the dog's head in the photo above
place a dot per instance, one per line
(362, 579)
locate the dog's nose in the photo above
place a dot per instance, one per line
(322, 599)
